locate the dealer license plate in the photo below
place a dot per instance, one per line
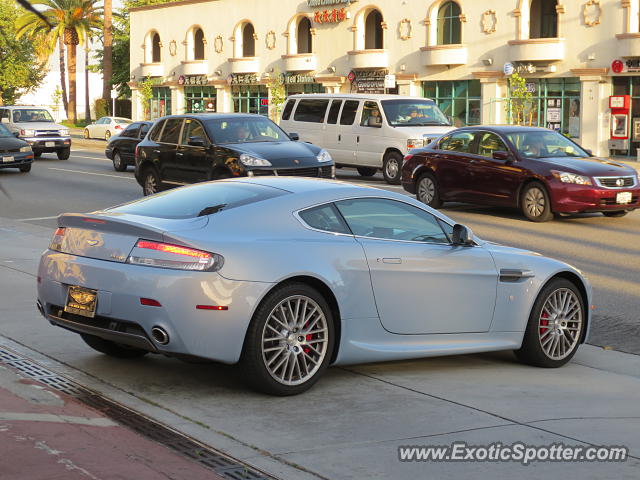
(81, 301)
(623, 197)
(7, 159)
(49, 144)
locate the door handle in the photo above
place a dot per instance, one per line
(390, 260)
(358, 139)
(339, 138)
(473, 161)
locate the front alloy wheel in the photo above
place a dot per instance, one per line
(535, 203)
(289, 342)
(555, 325)
(118, 164)
(150, 182)
(427, 191)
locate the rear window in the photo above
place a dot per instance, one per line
(155, 133)
(288, 108)
(199, 200)
(311, 111)
(171, 132)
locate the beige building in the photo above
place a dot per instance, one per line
(222, 55)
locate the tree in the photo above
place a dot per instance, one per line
(278, 93)
(107, 65)
(72, 21)
(519, 100)
(20, 68)
(146, 92)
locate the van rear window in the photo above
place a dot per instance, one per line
(311, 110)
(288, 108)
(199, 200)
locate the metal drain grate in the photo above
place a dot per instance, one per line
(206, 456)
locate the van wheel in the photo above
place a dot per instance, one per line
(367, 171)
(392, 167)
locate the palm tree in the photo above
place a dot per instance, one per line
(72, 21)
(107, 58)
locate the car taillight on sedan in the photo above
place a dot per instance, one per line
(56, 240)
(177, 257)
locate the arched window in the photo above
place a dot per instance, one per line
(198, 44)
(543, 19)
(156, 56)
(373, 36)
(248, 41)
(449, 24)
(303, 35)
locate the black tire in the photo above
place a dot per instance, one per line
(25, 168)
(151, 181)
(64, 154)
(532, 352)
(536, 203)
(119, 165)
(253, 362)
(37, 154)
(615, 214)
(427, 190)
(107, 135)
(85, 134)
(392, 167)
(367, 171)
(112, 349)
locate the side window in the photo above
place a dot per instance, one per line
(101, 121)
(349, 112)
(324, 218)
(391, 220)
(311, 111)
(131, 131)
(288, 108)
(332, 119)
(171, 132)
(192, 128)
(4, 115)
(157, 128)
(371, 115)
(144, 129)
(489, 143)
(458, 142)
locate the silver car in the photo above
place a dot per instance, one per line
(289, 275)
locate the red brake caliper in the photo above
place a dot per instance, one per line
(544, 323)
(308, 338)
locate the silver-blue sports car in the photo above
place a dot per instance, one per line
(289, 275)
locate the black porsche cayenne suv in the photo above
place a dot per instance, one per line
(182, 149)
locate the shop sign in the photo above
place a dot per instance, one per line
(297, 79)
(508, 69)
(327, 3)
(389, 81)
(242, 79)
(330, 16)
(368, 81)
(629, 65)
(155, 81)
(523, 68)
(193, 80)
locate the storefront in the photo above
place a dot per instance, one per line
(248, 95)
(301, 83)
(555, 104)
(199, 97)
(630, 85)
(160, 102)
(459, 100)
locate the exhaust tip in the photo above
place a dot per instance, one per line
(160, 335)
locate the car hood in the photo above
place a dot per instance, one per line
(40, 126)
(590, 166)
(280, 153)
(9, 143)
(431, 131)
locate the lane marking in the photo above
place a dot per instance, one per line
(91, 173)
(104, 159)
(47, 417)
(36, 218)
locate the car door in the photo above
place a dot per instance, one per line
(453, 155)
(494, 181)
(346, 144)
(170, 166)
(369, 137)
(422, 283)
(98, 129)
(331, 135)
(194, 159)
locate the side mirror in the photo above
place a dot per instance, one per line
(462, 235)
(589, 151)
(197, 142)
(294, 136)
(502, 155)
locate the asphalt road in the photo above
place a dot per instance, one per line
(607, 250)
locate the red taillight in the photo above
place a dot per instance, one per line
(93, 220)
(174, 256)
(56, 240)
(168, 248)
(407, 157)
(150, 302)
(117, 127)
(211, 307)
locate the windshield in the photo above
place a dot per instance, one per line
(25, 115)
(246, 130)
(413, 113)
(544, 144)
(4, 132)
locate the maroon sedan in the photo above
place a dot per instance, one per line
(534, 169)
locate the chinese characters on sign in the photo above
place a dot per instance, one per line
(330, 16)
(193, 80)
(242, 79)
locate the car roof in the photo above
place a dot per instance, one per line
(207, 116)
(358, 96)
(303, 184)
(13, 107)
(502, 128)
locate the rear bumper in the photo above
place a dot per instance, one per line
(48, 144)
(570, 198)
(120, 316)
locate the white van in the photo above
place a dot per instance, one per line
(367, 132)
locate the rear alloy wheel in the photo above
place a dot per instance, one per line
(392, 167)
(25, 168)
(427, 191)
(118, 164)
(112, 349)
(615, 214)
(535, 203)
(150, 181)
(555, 326)
(85, 134)
(289, 341)
(367, 171)
(107, 135)
(64, 153)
